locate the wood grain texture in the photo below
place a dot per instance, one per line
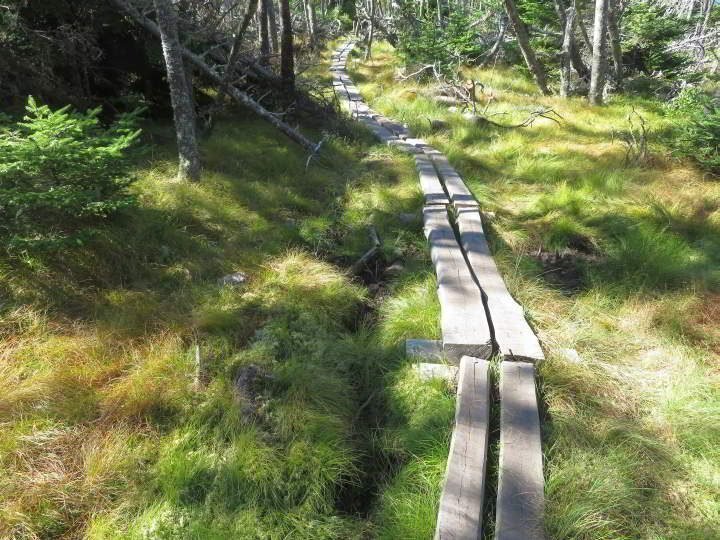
(430, 181)
(514, 337)
(459, 193)
(520, 502)
(461, 502)
(464, 326)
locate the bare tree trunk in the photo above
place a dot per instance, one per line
(597, 74)
(272, 20)
(492, 53)
(182, 104)
(583, 29)
(309, 21)
(566, 62)
(264, 33)
(536, 68)
(313, 19)
(238, 95)
(575, 58)
(287, 48)
(368, 52)
(613, 27)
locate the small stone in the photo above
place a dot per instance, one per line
(571, 355)
(233, 280)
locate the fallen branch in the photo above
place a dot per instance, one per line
(543, 112)
(370, 254)
(237, 95)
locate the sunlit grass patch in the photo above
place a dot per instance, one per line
(615, 262)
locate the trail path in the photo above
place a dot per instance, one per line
(479, 318)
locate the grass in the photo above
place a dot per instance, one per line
(310, 407)
(615, 260)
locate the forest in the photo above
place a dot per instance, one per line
(219, 244)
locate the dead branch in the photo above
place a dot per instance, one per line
(238, 95)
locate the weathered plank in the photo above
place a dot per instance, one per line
(464, 326)
(514, 337)
(459, 193)
(520, 502)
(405, 146)
(380, 132)
(430, 181)
(461, 502)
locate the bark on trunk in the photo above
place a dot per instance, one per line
(565, 69)
(238, 95)
(371, 34)
(272, 20)
(598, 68)
(264, 33)
(182, 104)
(613, 26)
(575, 57)
(536, 68)
(307, 9)
(287, 49)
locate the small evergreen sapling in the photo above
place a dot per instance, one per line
(61, 174)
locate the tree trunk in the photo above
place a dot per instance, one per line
(183, 110)
(238, 95)
(309, 21)
(492, 53)
(566, 62)
(597, 73)
(536, 68)
(272, 20)
(575, 57)
(264, 33)
(368, 52)
(613, 26)
(287, 49)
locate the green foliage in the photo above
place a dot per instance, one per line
(61, 174)
(647, 29)
(446, 47)
(697, 127)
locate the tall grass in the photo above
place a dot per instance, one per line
(615, 260)
(105, 433)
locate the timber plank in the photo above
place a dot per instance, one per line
(430, 181)
(520, 502)
(464, 326)
(459, 193)
(514, 337)
(461, 502)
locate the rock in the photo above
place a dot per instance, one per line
(249, 383)
(571, 355)
(233, 280)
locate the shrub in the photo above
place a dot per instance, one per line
(696, 132)
(648, 29)
(447, 48)
(61, 174)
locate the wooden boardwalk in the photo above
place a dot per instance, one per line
(478, 318)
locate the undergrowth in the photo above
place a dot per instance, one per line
(616, 264)
(306, 406)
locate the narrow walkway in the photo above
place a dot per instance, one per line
(479, 318)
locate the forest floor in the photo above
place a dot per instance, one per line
(617, 265)
(311, 410)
